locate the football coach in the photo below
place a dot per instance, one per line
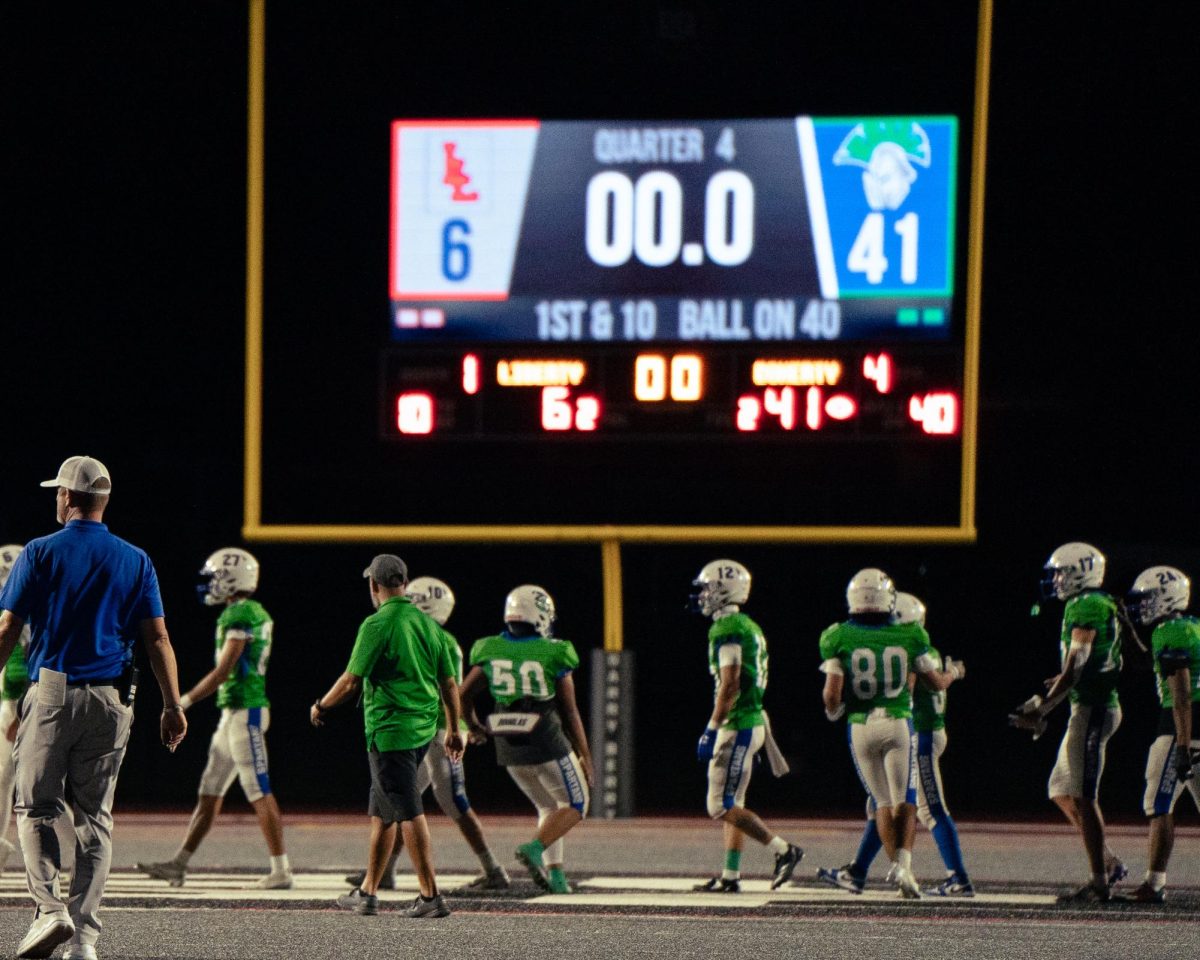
(88, 596)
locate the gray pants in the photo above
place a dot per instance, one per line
(81, 743)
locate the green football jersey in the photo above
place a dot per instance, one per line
(456, 657)
(15, 677)
(246, 686)
(1095, 610)
(1180, 634)
(929, 706)
(523, 667)
(747, 710)
(876, 660)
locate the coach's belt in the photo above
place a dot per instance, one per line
(100, 682)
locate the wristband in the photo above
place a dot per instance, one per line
(832, 715)
(317, 706)
(173, 707)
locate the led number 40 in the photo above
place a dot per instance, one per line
(867, 257)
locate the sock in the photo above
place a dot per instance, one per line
(904, 859)
(557, 875)
(1156, 879)
(182, 857)
(868, 848)
(487, 861)
(733, 865)
(945, 835)
(778, 845)
(281, 864)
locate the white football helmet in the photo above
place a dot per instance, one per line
(530, 604)
(1157, 592)
(8, 556)
(720, 584)
(432, 596)
(908, 609)
(226, 572)
(871, 591)
(1071, 569)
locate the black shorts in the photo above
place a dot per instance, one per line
(394, 795)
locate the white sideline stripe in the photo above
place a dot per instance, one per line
(598, 891)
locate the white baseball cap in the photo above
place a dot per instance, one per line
(83, 475)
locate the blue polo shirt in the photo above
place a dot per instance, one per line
(83, 593)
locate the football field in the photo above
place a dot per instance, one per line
(633, 898)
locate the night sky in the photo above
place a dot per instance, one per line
(123, 339)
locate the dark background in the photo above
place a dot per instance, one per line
(123, 282)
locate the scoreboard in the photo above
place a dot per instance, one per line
(673, 280)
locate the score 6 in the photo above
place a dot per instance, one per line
(559, 413)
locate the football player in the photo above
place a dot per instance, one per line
(435, 598)
(1159, 598)
(536, 725)
(738, 727)
(13, 681)
(238, 750)
(1091, 663)
(929, 722)
(867, 661)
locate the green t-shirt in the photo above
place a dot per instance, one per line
(1095, 610)
(1181, 637)
(15, 678)
(737, 628)
(246, 686)
(876, 660)
(402, 655)
(523, 667)
(929, 706)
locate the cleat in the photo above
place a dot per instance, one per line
(561, 885)
(168, 870)
(843, 877)
(1088, 893)
(46, 932)
(953, 886)
(531, 857)
(719, 885)
(273, 881)
(435, 906)
(785, 865)
(907, 884)
(1117, 871)
(364, 904)
(387, 883)
(496, 879)
(1143, 894)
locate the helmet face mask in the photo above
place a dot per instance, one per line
(225, 574)
(1072, 568)
(1157, 593)
(908, 609)
(431, 596)
(871, 591)
(720, 584)
(530, 604)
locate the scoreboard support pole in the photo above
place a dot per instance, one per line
(612, 693)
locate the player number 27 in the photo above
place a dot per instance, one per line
(865, 672)
(530, 674)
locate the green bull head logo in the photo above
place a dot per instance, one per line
(886, 150)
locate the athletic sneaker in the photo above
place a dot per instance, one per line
(907, 884)
(495, 879)
(46, 932)
(387, 883)
(531, 857)
(79, 951)
(785, 865)
(1117, 871)
(1144, 894)
(174, 873)
(843, 877)
(364, 904)
(1088, 893)
(954, 886)
(435, 906)
(719, 885)
(273, 881)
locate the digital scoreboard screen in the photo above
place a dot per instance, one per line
(787, 279)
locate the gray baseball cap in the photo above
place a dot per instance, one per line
(387, 570)
(83, 475)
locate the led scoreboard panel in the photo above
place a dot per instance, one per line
(785, 280)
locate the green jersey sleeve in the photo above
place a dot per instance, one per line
(829, 645)
(1097, 684)
(1175, 644)
(751, 653)
(246, 686)
(929, 706)
(1091, 611)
